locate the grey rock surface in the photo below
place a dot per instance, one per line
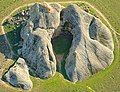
(18, 75)
(37, 33)
(45, 16)
(92, 44)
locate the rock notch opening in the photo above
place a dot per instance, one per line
(61, 46)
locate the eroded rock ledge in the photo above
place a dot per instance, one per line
(91, 50)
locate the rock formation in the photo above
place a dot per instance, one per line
(18, 75)
(91, 50)
(36, 35)
(92, 44)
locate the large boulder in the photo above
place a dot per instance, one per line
(36, 34)
(45, 16)
(92, 45)
(18, 75)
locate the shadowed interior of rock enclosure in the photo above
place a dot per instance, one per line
(61, 46)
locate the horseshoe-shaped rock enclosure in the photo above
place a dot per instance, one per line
(91, 49)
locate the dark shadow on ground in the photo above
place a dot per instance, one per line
(61, 45)
(4, 48)
(5, 53)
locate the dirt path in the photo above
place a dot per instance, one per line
(2, 83)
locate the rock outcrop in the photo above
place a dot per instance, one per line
(18, 75)
(91, 50)
(37, 33)
(92, 44)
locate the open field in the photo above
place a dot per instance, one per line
(104, 81)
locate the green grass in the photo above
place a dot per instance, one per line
(110, 9)
(104, 81)
(57, 84)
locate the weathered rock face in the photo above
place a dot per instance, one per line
(18, 75)
(36, 35)
(92, 45)
(45, 16)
